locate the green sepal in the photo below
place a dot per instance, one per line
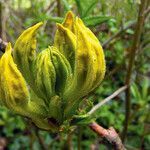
(63, 70)
(44, 76)
(82, 119)
(56, 110)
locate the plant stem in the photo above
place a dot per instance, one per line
(109, 134)
(40, 139)
(3, 19)
(135, 45)
(68, 143)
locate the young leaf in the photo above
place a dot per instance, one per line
(95, 20)
(85, 6)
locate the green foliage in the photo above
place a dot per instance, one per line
(84, 12)
(95, 20)
(11, 122)
(85, 7)
(105, 18)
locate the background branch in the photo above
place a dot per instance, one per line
(136, 41)
(107, 42)
(107, 99)
(58, 8)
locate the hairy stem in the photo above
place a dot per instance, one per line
(109, 134)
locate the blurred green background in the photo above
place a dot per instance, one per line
(105, 18)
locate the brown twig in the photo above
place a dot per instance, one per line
(58, 8)
(109, 134)
(107, 99)
(136, 41)
(147, 11)
(53, 140)
(3, 143)
(1, 18)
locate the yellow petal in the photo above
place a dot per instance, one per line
(25, 51)
(65, 42)
(14, 91)
(89, 40)
(69, 20)
(87, 59)
(74, 39)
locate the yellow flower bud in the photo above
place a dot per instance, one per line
(85, 54)
(47, 87)
(15, 94)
